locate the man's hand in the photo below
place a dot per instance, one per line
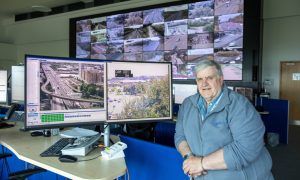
(193, 167)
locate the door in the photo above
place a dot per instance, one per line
(290, 88)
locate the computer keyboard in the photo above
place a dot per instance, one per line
(55, 149)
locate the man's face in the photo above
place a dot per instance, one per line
(209, 83)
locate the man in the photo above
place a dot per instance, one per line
(219, 133)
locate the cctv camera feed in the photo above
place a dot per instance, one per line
(64, 91)
(138, 91)
(182, 34)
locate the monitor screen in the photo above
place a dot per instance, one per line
(182, 91)
(72, 92)
(3, 86)
(139, 91)
(64, 92)
(17, 84)
(182, 33)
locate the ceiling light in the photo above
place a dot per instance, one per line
(41, 8)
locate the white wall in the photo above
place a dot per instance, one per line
(281, 39)
(7, 55)
(50, 35)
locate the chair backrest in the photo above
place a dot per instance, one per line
(148, 161)
(164, 133)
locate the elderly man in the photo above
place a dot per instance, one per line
(219, 133)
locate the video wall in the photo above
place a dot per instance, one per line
(183, 34)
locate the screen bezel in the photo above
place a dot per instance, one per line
(106, 121)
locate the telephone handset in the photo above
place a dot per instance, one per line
(10, 111)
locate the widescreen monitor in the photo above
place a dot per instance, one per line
(17, 84)
(179, 32)
(182, 91)
(64, 92)
(139, 91)
(3, 86)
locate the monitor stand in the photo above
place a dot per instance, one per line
(77, 133)
(106, 135)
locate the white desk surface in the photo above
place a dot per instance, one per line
(28, 149)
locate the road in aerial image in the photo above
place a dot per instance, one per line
(115, 56)
(153, 16)
(175, 42)
(176, 12)
(71, 86)
(225, 38)
(98, 23)
(233, 56)
(178, 27)
(115, 47)
(201, 9)
(153, 44)
(154, 30)
(115, 34)
(229, 7)
(115, 21)
(155, 56)
(232, 71)
(200, 41)
(133, 56)
(133, 45)
(134, 32)
(98, 48)
(230, 22)
(98, 36)
(83, 26)
(201, 25)
(133, 18)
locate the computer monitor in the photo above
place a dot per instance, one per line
(62, 92)
(182, 91)
(3, 86)
(17, 84)
(139, 91)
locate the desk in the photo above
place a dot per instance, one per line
(28, 149)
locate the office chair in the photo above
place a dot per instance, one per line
(8, 114)
(19, 175)
(3, 156)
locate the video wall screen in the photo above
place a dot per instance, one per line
(183, 34)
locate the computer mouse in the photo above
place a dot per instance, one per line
(67, 158)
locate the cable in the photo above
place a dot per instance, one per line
(90, 158)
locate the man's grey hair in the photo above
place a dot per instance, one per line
(201, 65)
